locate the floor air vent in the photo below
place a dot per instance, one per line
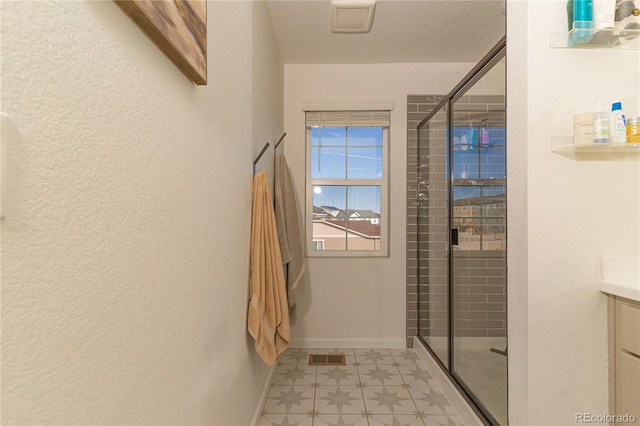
(327, 359)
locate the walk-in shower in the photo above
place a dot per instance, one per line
(461, 235)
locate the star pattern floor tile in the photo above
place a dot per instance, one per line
(286, 420)
(398, 420)
(290, 399)
(336, 376)
(340, 420)
(388, 400)
(377, 387)
(416, 375)
(405, 356)
(374, 356)
(339, 399)
(294, 375)
(380, 375)
(431, 401)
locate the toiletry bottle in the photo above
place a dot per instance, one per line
(582, 18)
(604, 13)
(633, 130)
(583, 128)
(471, 137)
(600, 125)
(463, 173)
(484, 134)
(626, 13)
(569, 15)
(617, 124)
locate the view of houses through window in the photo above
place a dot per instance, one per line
(336, 229)
(346, 189)
(481, 222)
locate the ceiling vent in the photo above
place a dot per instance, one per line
(352, 16)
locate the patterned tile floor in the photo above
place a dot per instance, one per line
(377, 387)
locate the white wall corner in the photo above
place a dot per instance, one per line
(257, 414)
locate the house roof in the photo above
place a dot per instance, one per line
(363, 228)
(359, 213)
(319, 210)
(330, 210)
(489, 199)
(326, 210)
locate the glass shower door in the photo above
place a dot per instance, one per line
(461, 235)
(478, 260)
(433, 227)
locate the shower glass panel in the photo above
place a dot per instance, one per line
(478, 261)
(433, 247)
(462, 235)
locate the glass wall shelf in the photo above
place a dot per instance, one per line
(587, 37)
(563, 145)
(476, 147)
(479, 182)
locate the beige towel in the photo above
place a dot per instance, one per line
(289, 232)
(268, 318)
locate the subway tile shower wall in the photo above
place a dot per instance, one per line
(480, 293)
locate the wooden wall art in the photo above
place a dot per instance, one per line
(178, 28)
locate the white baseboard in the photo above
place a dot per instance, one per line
(467, 415)
(263, 396)
(350, 343)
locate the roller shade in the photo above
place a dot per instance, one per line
(347, 118)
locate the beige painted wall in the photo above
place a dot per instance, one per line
(563, 215)
(359, 301)
(125, 251)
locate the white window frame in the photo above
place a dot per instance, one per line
(382, 182)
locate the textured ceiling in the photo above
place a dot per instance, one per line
(403, 31)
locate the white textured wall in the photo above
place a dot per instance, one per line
(359, 300)
(564, 214)
(125, 252)
(517, 249)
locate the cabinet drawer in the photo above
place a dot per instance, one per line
(628, 384)
(629, 328)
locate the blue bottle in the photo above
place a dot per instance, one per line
(582, 18)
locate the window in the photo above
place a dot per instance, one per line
(347, 183)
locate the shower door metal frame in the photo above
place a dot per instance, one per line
(495, 55)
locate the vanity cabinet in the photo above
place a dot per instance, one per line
(624, 328)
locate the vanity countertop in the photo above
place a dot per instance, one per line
(621, 276)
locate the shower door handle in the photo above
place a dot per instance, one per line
(454, 236)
